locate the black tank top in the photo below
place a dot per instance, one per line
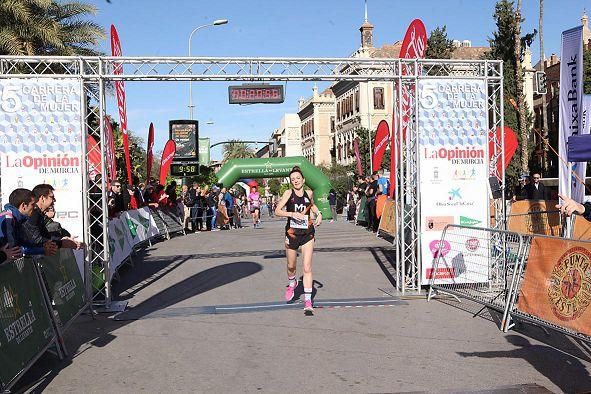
(302, 205)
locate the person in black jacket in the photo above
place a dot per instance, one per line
(535, 190)
(35, 229)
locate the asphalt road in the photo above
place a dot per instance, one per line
(206, 315)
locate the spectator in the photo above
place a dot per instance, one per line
(188, 200)
(535, 190)
(115, 200)
(383, 183)
(519, 190)
(229, 203)
(159, 197)
(172, 196)
(35, 228)
(371, 193)
(332, 201)
(19, 209)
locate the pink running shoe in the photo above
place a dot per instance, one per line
(308, 308)
(290, 291)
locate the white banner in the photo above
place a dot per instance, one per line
(570, 104)
(453, 170)
(41, 142)
(120, 245)
(141, 225)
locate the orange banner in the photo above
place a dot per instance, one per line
(388, 220)
(530, 217)
(557, 283)
(581, 229)
(380, 201)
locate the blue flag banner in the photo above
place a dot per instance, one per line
(579, 148)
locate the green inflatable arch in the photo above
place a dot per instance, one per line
(279, 167)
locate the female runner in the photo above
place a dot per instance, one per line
(299, 232)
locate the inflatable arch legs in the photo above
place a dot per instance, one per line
(279, 167)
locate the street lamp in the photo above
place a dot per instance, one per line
(215, 23)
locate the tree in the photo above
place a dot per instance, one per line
(502, 47)
(365, 151)
(137, 154)
(274, 186)
(439, 46)
(340, 176)
(523, 127)
(236, 149)
(48, 27)
(542, 68)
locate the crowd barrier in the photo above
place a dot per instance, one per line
(39, 299)
(388, 218)
(535, 217)
(541, 279)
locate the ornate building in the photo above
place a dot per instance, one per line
(317, 124)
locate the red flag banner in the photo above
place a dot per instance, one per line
(413, 46)
(110, 150)
(167, 155)
(120, 89)
(357, 155)
(380, 144)
(510, 146)
(149, 154)
(94, 157)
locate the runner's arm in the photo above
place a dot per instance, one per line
(279, 209)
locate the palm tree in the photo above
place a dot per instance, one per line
(47, 27)
(542, 68)
(236, 149)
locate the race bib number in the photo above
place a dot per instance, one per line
(302, 223)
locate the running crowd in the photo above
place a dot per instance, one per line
(28, 225)
(200, 207)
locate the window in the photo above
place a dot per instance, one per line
(378, 98)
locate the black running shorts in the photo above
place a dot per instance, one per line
(294, 241)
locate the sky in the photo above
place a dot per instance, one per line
(281, 28)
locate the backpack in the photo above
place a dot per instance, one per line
(190, 198)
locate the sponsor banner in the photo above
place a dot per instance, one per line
(140, 224)
(110, 149)
(204, 154)
(361, 211)
(580, 168)
(557, 283)
(120, 245)
(532, 217)
(570, 105)
(581, 229)
(167, 156)
(388, 219)
(453, 167)
(357, 156)
(437, 223)
(149, 152)
(510, 144)
(121, 104)
(94, 157)
(380, 202)
(25, 328)
(380, 144)
(64, 284)
(41, 142)
(414, 46)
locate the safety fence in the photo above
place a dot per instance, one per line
(130, 231)
(39, 299)
(541, 279)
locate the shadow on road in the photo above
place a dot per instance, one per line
(564, 371)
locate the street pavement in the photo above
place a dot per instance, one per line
(206, 314)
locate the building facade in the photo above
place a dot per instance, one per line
(287, 139)
(316, 126)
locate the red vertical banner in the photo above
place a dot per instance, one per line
(167, 155)
(120, 89)
(413, 46)
(149, 153)
(94, 157)
(510, 143)
(380, 144)
(111, 162)
(357, 155)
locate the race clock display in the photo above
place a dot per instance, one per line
(184, 169)
(256, 94)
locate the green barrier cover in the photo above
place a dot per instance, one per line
(361, 214)
(25, 325)
(64, 284)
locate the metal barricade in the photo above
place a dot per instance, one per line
(478, 264)
(536, 221)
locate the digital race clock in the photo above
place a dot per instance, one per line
(184, 169)
(254, 94)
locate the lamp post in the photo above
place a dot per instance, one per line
(215, 23)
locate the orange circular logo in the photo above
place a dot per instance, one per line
(569, 288)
